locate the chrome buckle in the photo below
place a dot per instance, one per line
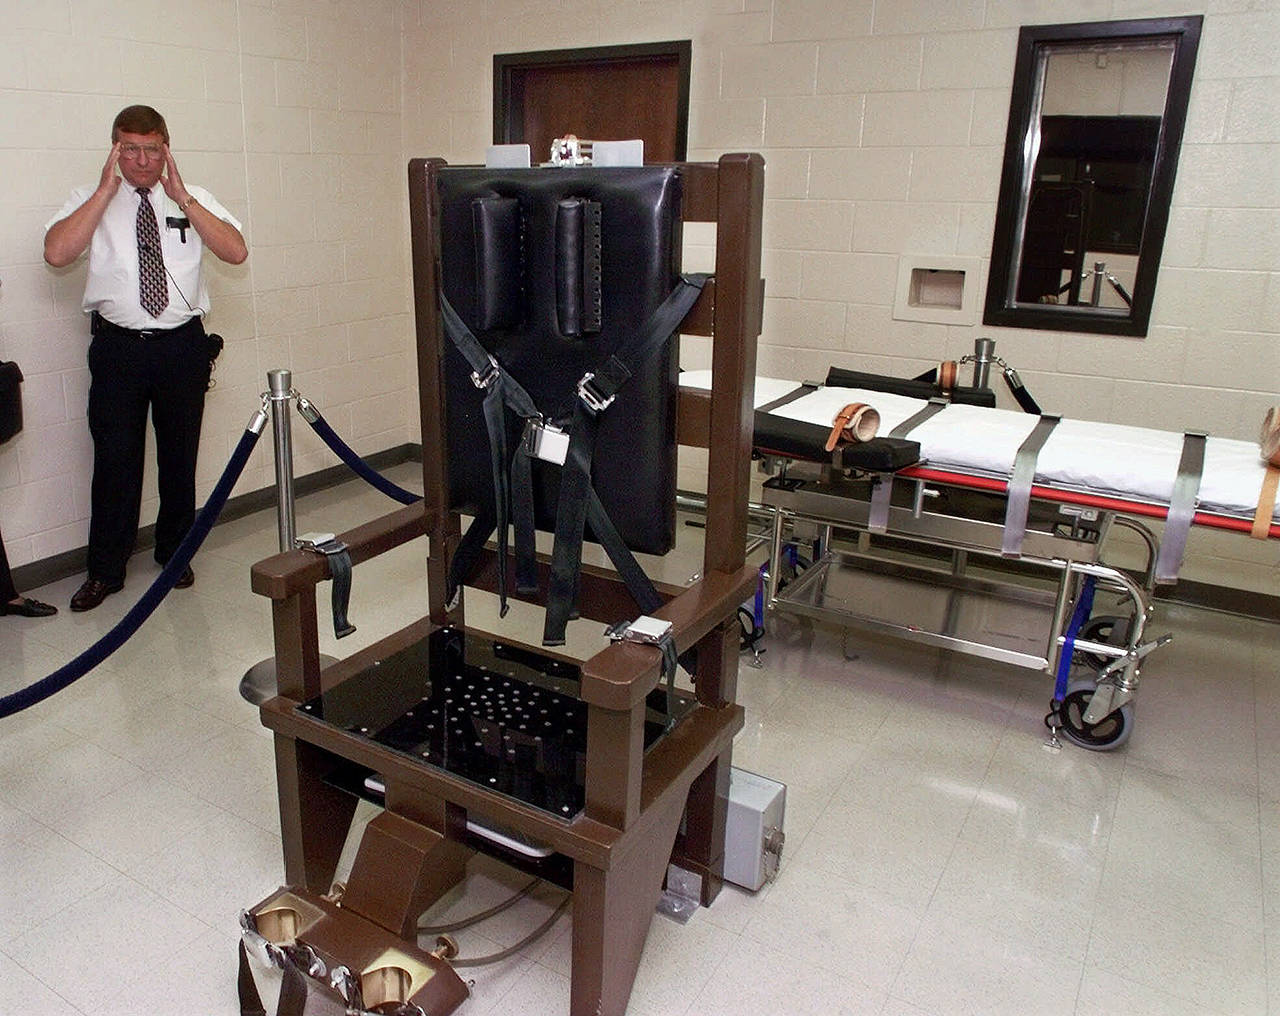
(490, 376)
(546, 441)
(592, 401)
(646, 630)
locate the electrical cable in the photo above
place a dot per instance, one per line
(538, 932)
(484, 915)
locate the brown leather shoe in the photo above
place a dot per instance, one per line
(186, 580)
(92, 593)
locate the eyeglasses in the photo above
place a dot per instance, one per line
(136, 151)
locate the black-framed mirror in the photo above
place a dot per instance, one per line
(1095, 124)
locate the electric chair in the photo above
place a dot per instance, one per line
(545, 302)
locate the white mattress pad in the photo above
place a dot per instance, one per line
(1136, 463)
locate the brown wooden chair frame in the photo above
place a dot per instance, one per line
(620, 845)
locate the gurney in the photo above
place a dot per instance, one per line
(981, 530)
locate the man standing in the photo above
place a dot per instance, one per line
(146, 298)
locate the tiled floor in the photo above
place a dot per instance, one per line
(939, 860)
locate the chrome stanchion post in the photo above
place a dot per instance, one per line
(1099, 273)
(983, 353)
(279, 382)
(259, 681)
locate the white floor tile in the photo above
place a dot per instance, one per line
(939, 859)
(1187, 955)
(118, 934)
(846, 928)
(761, 977)
(959, 969)
(23, 994)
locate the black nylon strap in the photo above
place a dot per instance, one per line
(247, 987)
(496, 424)
(523, 519)
(501, 391)
(650, 336)
(293, 992)
(340, 573)
(468, 552)
(575, 480)
(339, 560)
(571, 515)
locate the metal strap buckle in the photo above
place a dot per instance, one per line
(644, 629)
(593, 400)
(546, 441)
(490, 376)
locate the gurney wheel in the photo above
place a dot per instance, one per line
(1111, 732)
(1101, 629)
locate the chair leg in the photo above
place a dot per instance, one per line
(314, 816)
(611, 914)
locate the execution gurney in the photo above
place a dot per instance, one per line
(1022, 497)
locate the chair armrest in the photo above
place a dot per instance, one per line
(295, 571)
(621, 675)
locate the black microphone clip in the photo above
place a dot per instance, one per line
(180, 224)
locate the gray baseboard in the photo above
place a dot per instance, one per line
(1244, 602)
(72, 562)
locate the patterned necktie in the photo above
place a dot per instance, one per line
(153, 290)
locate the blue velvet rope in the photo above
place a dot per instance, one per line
(71, 672)
(357, 464)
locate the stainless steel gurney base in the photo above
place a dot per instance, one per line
(975, 617)
(1015, 613)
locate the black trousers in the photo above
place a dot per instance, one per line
(166, 372)
(7, 592)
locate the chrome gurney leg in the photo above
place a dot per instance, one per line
(1118, 680)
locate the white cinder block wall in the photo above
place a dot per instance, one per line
(882, 122)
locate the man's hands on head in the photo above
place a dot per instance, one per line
(109, 183)
(172, 179)
(67, 238)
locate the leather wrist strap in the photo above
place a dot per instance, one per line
(340, 574)
(1266, 504)
(948, 373)
(855, 422)
(1269, 441)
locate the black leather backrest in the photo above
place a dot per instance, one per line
(531, 301)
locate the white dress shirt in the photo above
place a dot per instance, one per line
(112, 285)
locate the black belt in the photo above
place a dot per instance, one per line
(98, 325)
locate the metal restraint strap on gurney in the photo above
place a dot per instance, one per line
(805, 388)
(1182, 508)
(878, 519)
(1024, 474)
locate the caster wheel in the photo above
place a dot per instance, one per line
(1106, 629)
(1107, 734)
(446, 948)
